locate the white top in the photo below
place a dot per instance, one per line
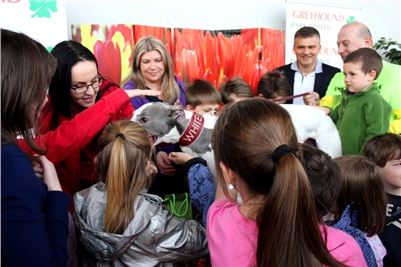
(304, 83)
(378, 249)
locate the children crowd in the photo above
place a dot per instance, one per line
(83, 185)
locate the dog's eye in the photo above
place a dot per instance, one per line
(143, 120)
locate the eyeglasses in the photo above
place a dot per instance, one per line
(83, 88)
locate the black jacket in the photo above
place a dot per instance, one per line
(322, 79)
(391, 235)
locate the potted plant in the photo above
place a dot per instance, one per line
(390, 50)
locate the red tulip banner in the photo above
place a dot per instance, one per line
(197, 54)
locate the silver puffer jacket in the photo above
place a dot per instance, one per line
(153, 238)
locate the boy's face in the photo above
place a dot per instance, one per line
(355, 79)
(204, 108)
(391, 176)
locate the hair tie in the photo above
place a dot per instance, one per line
(121, 135)
(281, 151)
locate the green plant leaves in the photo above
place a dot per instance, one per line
(390, 49)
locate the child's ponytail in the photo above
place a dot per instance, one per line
(256, 140)
(121, 163)
(289, 233)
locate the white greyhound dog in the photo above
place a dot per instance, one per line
(170, 124)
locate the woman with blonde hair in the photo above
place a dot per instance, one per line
(152, 68)
(119, 222)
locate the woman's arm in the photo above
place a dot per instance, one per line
(76, 133)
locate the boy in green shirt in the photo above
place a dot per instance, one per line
(351, 37)
(362, 112)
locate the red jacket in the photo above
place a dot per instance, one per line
(72, 146)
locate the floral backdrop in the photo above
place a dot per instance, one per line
(212, 55)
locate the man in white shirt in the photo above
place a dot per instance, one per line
(307, 73)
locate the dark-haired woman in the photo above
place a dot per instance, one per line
(34, 221)
(81, 103)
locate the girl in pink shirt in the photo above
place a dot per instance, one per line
(264, 213)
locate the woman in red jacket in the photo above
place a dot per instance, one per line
(81, 102)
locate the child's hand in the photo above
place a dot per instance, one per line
(50, 177)
(312, 99)
(37, 167)
(164, 164)
(179, 157)
(151, 169)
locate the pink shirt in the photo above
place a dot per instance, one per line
(232, 239)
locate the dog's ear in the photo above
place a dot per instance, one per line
(177, 113)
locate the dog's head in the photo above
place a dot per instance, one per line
(170, 124)
(161, 120)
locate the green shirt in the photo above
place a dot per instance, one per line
(359, 117)
(389, 85)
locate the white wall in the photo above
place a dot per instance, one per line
(382, 17)
(37, 21)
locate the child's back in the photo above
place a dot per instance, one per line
(264, 210)
(361, 205)
(154, 235)
(118, 222)
(325, 177)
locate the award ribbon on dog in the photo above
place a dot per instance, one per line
(192, 131)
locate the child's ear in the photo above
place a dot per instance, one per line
(372, 75)
(228, 174)
(189, 107)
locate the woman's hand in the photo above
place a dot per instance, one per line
(179, 157)
(49, 173)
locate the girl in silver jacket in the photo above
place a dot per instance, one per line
(119, 223)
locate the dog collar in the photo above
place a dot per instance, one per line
(192, 131)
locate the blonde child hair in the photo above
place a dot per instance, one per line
(125, 150)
